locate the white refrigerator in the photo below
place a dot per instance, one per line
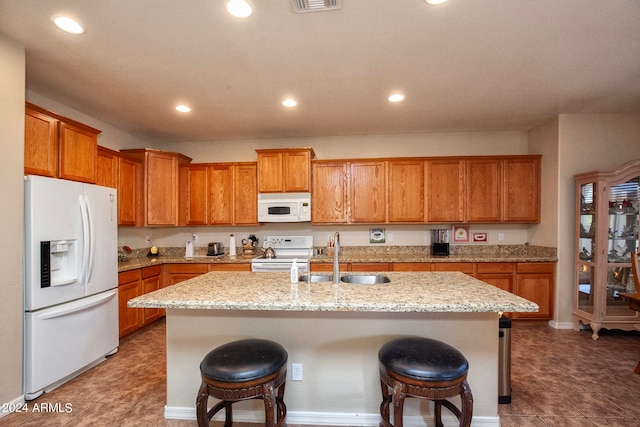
(71, 280)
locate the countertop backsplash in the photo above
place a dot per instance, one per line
(473, 251)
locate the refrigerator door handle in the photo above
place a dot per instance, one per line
(86, 230)
(83, 304)
(92, 239)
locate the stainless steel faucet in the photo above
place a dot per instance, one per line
(336, 253)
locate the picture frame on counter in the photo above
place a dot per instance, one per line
(460, 234)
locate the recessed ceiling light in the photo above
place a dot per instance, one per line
(67, 24)
(289, 102)
(183, 108)
(396, 97)
(435, 2)
(239, 8)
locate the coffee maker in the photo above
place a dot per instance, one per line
(440, 242)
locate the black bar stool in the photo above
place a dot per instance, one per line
(426, 369)
(241, 370)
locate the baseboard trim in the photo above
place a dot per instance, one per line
(326, 418)
(560, 325)
(13, 406)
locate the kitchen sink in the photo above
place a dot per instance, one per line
(316, 278)
(365, 279)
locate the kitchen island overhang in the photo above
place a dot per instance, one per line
(335, 332)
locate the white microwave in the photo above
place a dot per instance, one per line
(284, 207)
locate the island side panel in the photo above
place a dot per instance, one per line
(338, 351)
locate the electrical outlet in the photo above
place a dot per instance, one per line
(296, 371)
(147, 239)
(390, 235)
(501, 236)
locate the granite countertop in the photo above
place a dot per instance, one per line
(469, 253)
(407, 292)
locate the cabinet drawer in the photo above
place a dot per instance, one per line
(151, 271)
(464, 267)
(230, 267)
(128, 276)
(323, 267)
(411, 266)
(188, 268)
(370, 266)
(494, 267)
(535, 267)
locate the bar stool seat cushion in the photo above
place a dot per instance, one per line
(243, 360)
(423, 359)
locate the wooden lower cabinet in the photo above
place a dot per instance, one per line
(499, 274)
(151, 281)
(372, 267)
(536, 282)
(129, 319)
(463, 267)
(411, 266)
(327, 267)
(230, 267)
(181, 272)
(131, 284)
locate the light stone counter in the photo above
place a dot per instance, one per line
(407, 292)
(368, 254)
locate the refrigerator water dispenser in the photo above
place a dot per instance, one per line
(58, 263)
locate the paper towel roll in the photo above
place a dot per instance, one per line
(232, 245)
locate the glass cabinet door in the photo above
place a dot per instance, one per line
(586, 241)
(622, 240)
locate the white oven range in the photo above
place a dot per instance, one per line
(286, 249)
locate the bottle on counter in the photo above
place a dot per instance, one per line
(232, 245)
(294, 271)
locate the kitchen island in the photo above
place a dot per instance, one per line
(335, 332)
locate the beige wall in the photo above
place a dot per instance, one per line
(544, 140)
(110, 136)
(12, 83)
(363, 146)
(586, 142)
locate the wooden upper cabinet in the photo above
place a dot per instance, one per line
(367, 193)
(445, 190)
(40, 144)
(329, 192)
(193, 195)
(130, 189)
(245, 194)
(270, 179)
(78, 152)
(220, 193)
(107, 168)
(116, 171)
(522, 189)
(483, 195)
(59, 147)
(405, 190)
(161, 184)
(284, 170)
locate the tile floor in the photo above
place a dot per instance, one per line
(559, 378)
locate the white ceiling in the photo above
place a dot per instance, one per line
(464, 65)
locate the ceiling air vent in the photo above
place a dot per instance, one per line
(301, 6)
